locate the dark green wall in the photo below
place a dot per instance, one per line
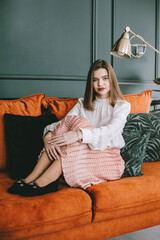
(48, 45)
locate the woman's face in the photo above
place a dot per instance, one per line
(101, 84)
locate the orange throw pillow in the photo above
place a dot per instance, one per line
(26, 106)
(59, 106)
(140, 102)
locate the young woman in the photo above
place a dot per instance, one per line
(85, 145)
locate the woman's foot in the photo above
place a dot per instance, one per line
(32, 189)
(17, 186)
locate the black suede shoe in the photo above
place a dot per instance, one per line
(17, 186)
(32, 189)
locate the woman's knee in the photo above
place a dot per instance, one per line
(76, 122)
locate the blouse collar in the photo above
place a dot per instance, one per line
(101, 99)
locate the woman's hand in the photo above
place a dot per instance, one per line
(66, 138)
(50, 149)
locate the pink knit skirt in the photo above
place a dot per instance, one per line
(82, 166)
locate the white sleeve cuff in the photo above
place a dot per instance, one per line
(87, 135)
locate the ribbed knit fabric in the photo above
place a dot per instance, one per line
(82, 166)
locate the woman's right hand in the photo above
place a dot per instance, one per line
(49, 148)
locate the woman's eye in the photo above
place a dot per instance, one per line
(106, 78)
(94, 80)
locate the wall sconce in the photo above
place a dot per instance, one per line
(157, 80)
(123, 47)
(156, 102)
(138, 49)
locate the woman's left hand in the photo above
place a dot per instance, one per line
(65, 138)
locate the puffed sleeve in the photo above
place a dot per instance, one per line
(109, 135)
(74, 111)
(50, 127)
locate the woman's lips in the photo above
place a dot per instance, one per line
(101, 89)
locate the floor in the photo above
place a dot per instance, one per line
(147, 234)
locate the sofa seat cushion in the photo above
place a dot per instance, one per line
(52, 212)
(128, 196)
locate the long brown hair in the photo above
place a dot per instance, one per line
(114, 92)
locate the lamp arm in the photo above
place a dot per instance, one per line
(140, 38)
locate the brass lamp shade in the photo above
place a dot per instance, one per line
(122, 48)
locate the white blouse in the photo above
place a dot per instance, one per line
(108, 123)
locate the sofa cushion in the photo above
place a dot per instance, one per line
(142, 122)
(30, 105)
(140, 102)
(133, 152)
(53, 212)
(24, 141)
(127, 196)
(59, 106)
(153, 148)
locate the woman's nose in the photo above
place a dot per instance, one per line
(100, 82)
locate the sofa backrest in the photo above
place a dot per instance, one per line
(37, 104)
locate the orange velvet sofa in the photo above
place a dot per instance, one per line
(102, 211)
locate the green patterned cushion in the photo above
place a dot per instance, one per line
(143, 122)
(134, 150)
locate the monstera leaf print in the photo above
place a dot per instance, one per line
(139, 121)
(153, 148)
(142, 122)
(133, 152)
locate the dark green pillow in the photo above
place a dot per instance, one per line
(134, 150)
(143, 122)
(24, 141)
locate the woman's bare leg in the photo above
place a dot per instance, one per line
(43, 163)
(52, 173)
